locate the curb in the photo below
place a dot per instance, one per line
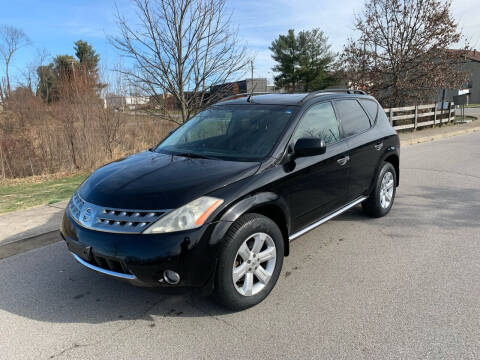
(439, 136)
(27, 244)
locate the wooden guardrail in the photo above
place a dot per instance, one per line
(413, 117)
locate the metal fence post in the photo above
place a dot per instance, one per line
(391, 116)
(441, 116)
(416, 117)
(434, 114)
(443, 102)
(450, 111)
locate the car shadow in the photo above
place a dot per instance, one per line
(446, 208)
(48, 285)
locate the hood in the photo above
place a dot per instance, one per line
(154, 181)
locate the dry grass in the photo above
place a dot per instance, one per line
(36, 179)
(38, 139)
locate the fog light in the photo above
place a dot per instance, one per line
(171, 277)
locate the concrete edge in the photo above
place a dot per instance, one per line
(23, 245)
(439, 136)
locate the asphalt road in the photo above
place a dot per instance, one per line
(404, 286)
(470, 111)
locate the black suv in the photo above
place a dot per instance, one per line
(216, 204)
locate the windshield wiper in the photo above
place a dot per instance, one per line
(196, 156)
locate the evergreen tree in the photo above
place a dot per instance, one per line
(86, 55)
(304, 61)
(68, 73)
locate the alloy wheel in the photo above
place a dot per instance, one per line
(386, 190)
(254, 264)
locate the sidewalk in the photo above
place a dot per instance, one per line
(24, 229)
(437, 133)
(23, 224)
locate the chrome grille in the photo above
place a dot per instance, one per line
(110, 219)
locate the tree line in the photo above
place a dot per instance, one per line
(400, 52)
(179, 51)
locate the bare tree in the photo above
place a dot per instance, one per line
(11, 40)
(181, 49)
(29, 75)
(402, 53)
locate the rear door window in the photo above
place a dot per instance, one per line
(371, 108)
(352, 117)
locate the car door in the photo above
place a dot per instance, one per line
(363, 145)
(317, 185)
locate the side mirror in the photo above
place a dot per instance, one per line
(309, 147)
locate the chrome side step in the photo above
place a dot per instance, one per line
(103, 271)
(325, 219)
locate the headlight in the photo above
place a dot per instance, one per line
(187, 217)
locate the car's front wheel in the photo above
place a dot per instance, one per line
(250, 261)
(383, 194)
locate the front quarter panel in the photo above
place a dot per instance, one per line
(245, 195)
(237, 209)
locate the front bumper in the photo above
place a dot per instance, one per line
(141, 259)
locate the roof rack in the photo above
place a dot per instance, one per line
(235, 96)
(347, 91)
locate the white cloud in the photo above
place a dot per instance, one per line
(260, 22)
(466, 14)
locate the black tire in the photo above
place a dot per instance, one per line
(225, 292)
(373, 205)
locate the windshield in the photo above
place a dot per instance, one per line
(230, 132)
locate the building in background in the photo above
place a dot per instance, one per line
(255, 85)
(125, 102)
(472, 86)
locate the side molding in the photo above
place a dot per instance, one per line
(325, 219)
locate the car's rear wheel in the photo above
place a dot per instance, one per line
(250, 261)
(381, 199)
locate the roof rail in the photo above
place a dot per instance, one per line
(235, 96)
(347, 91)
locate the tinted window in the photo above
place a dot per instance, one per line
(354, 119)
(230, 132)
(382, 116)
(370, 107)
(318, 121)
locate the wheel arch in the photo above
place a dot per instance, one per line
(276, 214)
(267, 204)
(391, 156)
(395, 161)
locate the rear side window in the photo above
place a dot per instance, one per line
(382, 117)
(354, 120)
(370, 107)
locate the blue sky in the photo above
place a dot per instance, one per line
(56, 25)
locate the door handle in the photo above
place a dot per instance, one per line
(378, 146)
(344, 160)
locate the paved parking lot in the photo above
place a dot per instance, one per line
(404, 286)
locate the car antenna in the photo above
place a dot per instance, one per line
(249, 99)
